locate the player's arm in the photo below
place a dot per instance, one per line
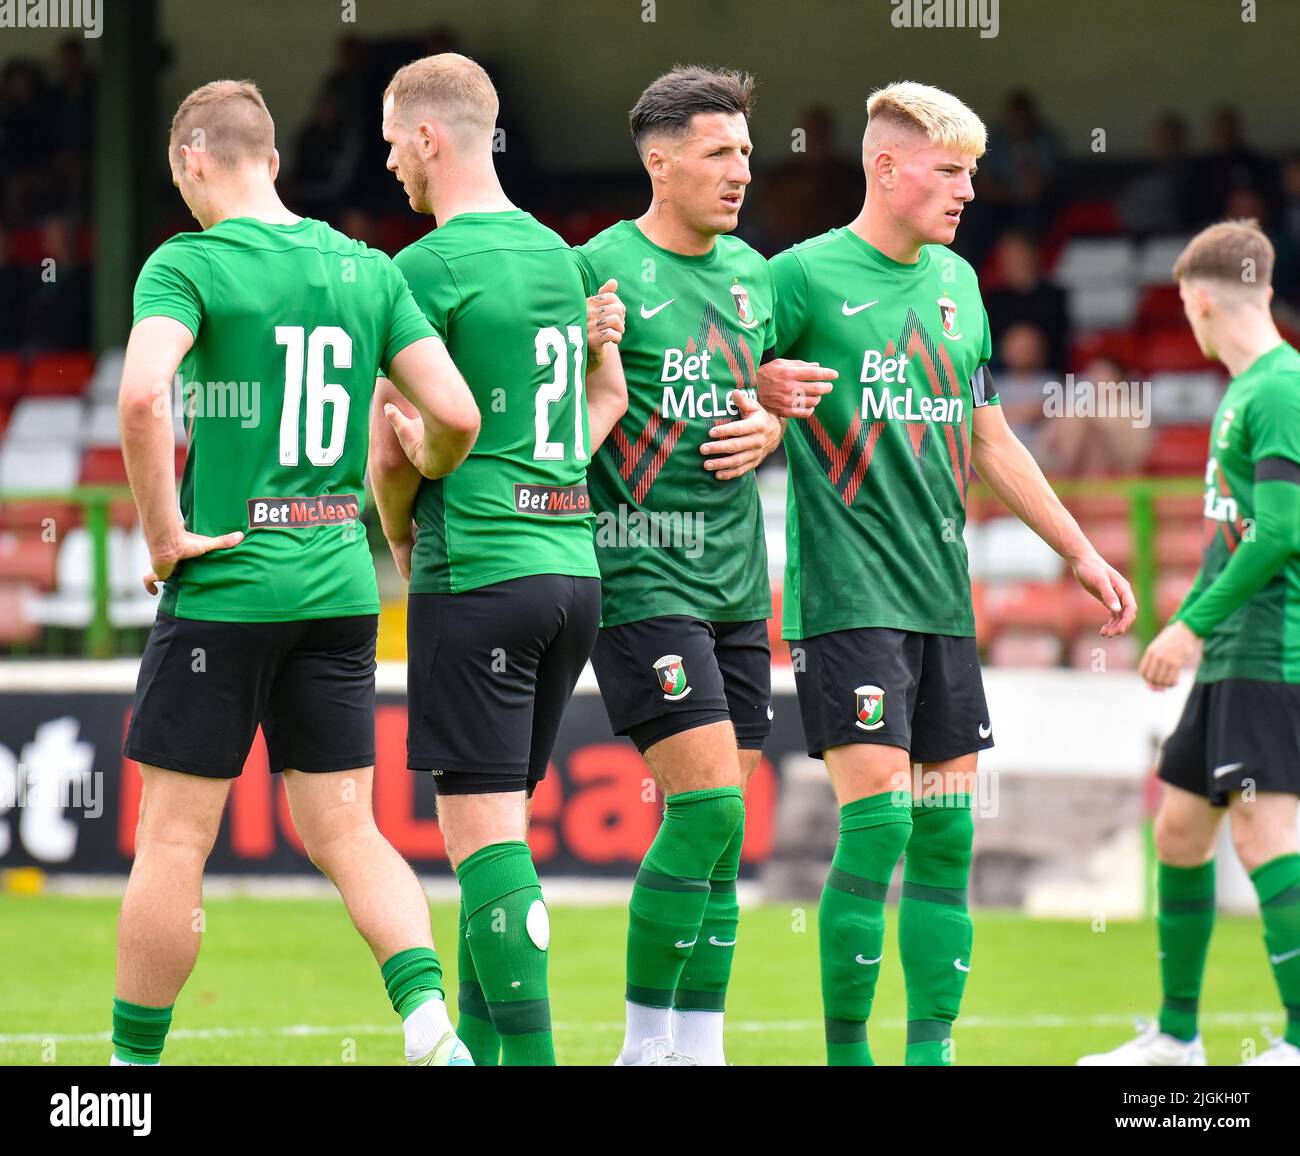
(440, 434)
(1011, 472)
(393, 479)
(1273, 537)
(153, 354)
(789, 387)
(736, 447)
(606, 396)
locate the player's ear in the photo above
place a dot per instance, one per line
(275, 164)
(884, 167)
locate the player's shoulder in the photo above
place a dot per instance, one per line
(951, 264)
(808, 253)
(1277, 377)
(737, 251)
(609, 241)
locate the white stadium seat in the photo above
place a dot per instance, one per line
(37, 468)
(1087, 262)
(42, 420)
(1156, 263)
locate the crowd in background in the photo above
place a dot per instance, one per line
(1026, 190)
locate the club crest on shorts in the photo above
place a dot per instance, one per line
(671, 672)
(948, 315)
(869, 705)
(740, 295)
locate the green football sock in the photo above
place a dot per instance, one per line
(703, 985)
(672, 890)
(1184, 919)
(508, 931)
(934, 925)
(1277, 883)
(139, 1032)
(851, 919)
(475, 1023)
(412, 977)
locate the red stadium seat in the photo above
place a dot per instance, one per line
(1172, 351)
(15, 627)
(25, 555)
(11, 377)
(1120, 344)
(1160, 308)
(1178, 451)
(52, 374)
(1113, 540)
(1033, 649)
(1180, 508)
(1024, 605)
(1180, 544)
(1171, 587)
(1080, 219)
(1086, 506)
(103, 466)
(33, 515)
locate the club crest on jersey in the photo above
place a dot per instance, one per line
(869, 705)
(740, 295)
(671, 672)
(948, 315)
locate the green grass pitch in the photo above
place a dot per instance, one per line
(290, 982)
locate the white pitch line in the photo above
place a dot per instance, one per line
(978, 1023)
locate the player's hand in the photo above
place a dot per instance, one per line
(410, 435)
(1172, 649)
(736, 447)
(606, 321)
(185, 545)
(1111, 589)
(793, 388)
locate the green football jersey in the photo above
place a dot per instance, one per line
(1258, 418)
(878, 473)
(671, 538)
(510, 299)
(291, 324)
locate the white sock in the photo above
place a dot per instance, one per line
(424, 1027)
(698, 1034)
(649, 1034)
(116, 1062)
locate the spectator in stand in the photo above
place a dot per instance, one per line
(1159, 199)
(1286, 273)
(1101, 427)
(58, 300)
(328, 154)
(1020, 175)
(814, 189)
(27, 140)
(11, 297)
(1021, 369)
(1229, 164)
(1023, 295)
(74, 105)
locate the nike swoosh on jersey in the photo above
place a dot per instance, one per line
(683, 943)
(957, 963)
(867, 962)
(1227, 769)
(647, 315)
(849, 311)
(713, 939)
(1276, 959)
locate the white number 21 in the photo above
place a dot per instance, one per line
(551, 344)
(319, 392)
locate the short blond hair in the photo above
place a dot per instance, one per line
(1231, 253)
(228, 120)
(454, 87)
(943, 118)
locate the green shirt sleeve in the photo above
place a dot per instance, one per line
(406, 324)
(433, 285)
(590, 281)
(171, 283)
(1274, 537)
(790, 300)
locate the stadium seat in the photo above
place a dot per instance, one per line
(37, 515)
(1085, 505)
(1032, 649)
(37, 421)
(1156, 261)
(107, 378)
(1184, 398)
(70, 605)
(1093, 307)
(103, 466)
(16, 628)
(1173, 350)
(1008, 549)
(1022, 605)
(130, 605)
(1089, 262)
(1119, 344)
(55, 374)
(1178, 451)
(102, 427)
(32, 469)
(26, 555)
(1180, 544)
(1160, 307)
(1113, 539)
(1180, 507)
(11, 377)
(1171, 588)
(1080, 219)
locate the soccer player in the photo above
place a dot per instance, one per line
(504, 587)
(877, 594)
(269, 608)
(1236, 749)
(682, 658)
